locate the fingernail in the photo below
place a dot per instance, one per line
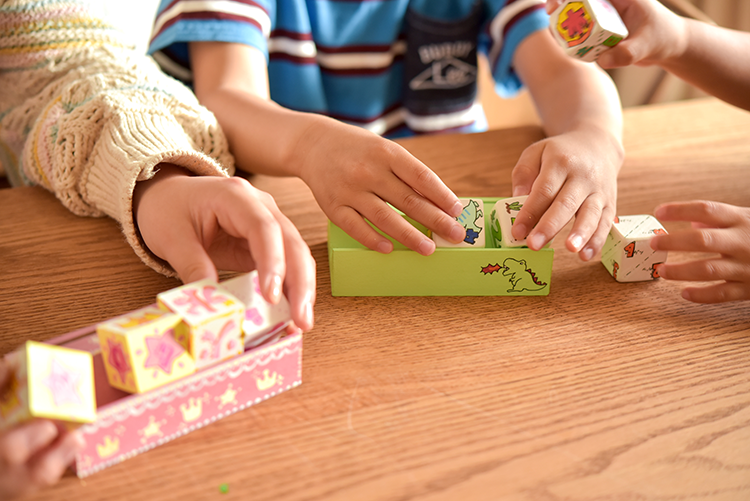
(309, 315)
(536, 241)
(652, 243)
(520, 231)
(275, 288)
(458, 233)
(426, 247)
(384, 247)
(457, 209)
(587, 254)
(576, 242)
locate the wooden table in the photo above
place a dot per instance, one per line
(599, 391)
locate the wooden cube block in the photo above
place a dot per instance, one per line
(211, 327)
(261, 316)
(587, 28)
(627, 254)
(51, 382)
(472, 219)
(503, 216)
(140, 350)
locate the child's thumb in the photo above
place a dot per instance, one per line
(192, 263)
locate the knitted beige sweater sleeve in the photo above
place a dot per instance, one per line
(86, 117)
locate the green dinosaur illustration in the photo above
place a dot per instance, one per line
(497, 234)
(521, 277)
(516, 206)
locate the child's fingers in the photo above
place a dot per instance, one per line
(253, 215)
(354, 225)
(388, 221)
(523, 176)
(706, 270)
(526, 170)
(626, 53)
(718, 293)
(590, 231)
(300, 274)
(48, 467)
(700, 240)
(20, 443)
(709, 214)
(411, 203)
(553, 202)
(190, 260)
(421, 179)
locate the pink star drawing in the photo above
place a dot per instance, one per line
(197, 299)
(117, 359)
(162, 351)
(63, 383)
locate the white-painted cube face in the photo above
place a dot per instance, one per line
(627, 254)
(587, 28)
(472, 219)
(503, 216)
(260, 315)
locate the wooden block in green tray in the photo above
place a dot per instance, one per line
(449, 271)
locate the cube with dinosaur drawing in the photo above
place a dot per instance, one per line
(140, 351)
(48, 382)
(587, 28)
(502, 217)
(627, 255)
(211, 326)
(472, 219)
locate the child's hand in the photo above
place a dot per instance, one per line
(655, 34)
(354, 174)
(33, 454)
(198, 224)
(569, 175)
(717, 227)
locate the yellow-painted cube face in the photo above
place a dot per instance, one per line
(211, 329)
(50, 382)
(140, 350)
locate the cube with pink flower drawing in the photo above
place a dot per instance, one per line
(48, 382)
(261, 317)
(140, 351)
(211, 326)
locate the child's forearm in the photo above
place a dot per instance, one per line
(264, 137)
(715, 60)
(594, 106)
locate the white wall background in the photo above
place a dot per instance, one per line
(133, 17)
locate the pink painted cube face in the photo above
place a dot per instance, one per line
(212, 317)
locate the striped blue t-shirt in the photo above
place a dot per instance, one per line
(395, 67)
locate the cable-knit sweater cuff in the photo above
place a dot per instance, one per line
(124, 156)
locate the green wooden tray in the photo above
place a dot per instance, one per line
(449, 271)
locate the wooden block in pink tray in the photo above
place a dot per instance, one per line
(129, 424)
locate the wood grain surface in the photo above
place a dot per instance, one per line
(599, 391)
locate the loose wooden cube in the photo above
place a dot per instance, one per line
(260, 315)
(51, 382)
(502, 217)
(627, 255)
(140, 351)
(211, 327)
(472, 219)
(587, 28)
